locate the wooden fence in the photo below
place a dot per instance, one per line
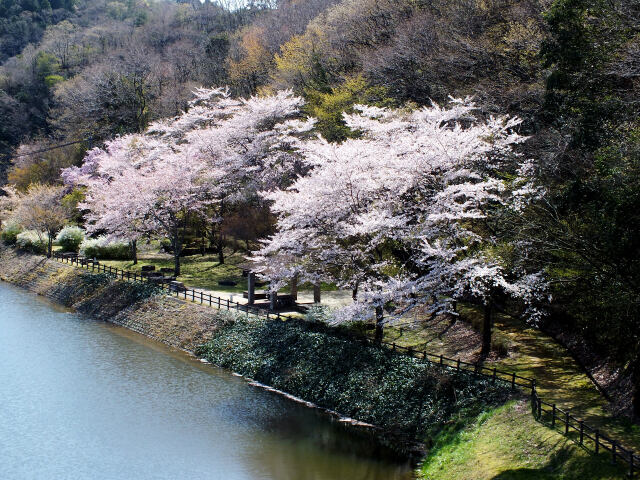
(560, 420)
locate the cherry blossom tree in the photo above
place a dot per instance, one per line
(139, 184)
(220, 151)
(397, 214)
(41, 209)
(247, 145)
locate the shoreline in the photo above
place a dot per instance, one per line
(26, 279)
(400, 400)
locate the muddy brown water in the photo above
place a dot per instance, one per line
(82, 399)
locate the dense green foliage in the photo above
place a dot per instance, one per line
(358, 380)
(589, 240)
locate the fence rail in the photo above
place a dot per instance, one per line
(561, 420)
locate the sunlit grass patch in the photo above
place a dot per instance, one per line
(507, 443)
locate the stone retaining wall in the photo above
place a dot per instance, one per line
(171, 321)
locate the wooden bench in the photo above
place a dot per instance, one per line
(258, 295)
(175, 286)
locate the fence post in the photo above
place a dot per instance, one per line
(513, 381)
(227, 304)
(441, 360)
(493, 380)
(553, 416)
(424, 355)
(394, 346)
(458, 365)
(539, 408)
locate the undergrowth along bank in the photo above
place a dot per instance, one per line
(401, 394)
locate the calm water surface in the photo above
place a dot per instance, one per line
(81, 399)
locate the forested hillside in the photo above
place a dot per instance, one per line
(569, 70)
(95, 69)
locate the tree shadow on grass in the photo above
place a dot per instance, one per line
(563, 465)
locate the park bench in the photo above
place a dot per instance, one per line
(175, 286)
(258, 295)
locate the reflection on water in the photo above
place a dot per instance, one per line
(83, 399)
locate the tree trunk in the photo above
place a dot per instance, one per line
(635, 382)
(133, 245)
(177, 250)
(221, 236)
(221, 248)
(49, 246)
(379, 324)
(176, 264)
(294, 287)
(354, 292)
(487, 326)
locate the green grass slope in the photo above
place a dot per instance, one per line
(506, 443)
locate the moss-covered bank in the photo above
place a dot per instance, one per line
(359, 380)
(310, 361)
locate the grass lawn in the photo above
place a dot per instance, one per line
(531, 353)
(507, 443)
(197, 271)
(204, 271)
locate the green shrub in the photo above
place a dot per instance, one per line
(70, 238)
(357, 379)
(102, 248)
(32, 241)
(10, 232)
(501, 345)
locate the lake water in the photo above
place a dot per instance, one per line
(82, 399)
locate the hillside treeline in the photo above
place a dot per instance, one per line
(570, 69)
